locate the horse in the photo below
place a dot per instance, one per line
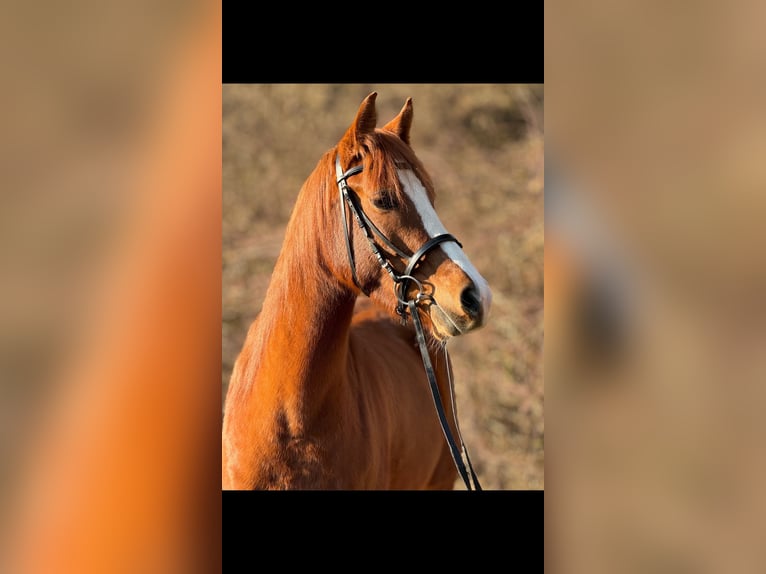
(330, 394)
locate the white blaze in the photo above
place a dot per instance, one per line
(433, 226)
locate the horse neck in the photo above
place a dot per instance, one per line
(296, 353)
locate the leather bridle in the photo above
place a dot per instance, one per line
(404, 304)
(401, 281)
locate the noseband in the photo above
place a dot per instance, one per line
(401, 285)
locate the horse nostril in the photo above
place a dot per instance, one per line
(469, 299)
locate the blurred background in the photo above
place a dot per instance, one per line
(655, 278)
(483, 147)
(110, 181)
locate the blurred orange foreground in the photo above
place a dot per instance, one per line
(124, 477)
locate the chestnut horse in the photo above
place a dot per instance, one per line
(327, 394)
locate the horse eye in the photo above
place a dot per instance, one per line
(385, 201)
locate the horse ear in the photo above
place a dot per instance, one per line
(401, 124)
(364, 123)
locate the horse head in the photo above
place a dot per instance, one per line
(397, 248)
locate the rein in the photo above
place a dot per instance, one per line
(405, 305)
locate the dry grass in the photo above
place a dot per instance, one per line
(483, 146)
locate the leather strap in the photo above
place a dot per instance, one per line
(344, 199)
(416, 257)
(460, 457)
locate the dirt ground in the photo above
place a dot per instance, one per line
(483, 147)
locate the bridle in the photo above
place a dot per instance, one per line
(401, 286)
(401, 281)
